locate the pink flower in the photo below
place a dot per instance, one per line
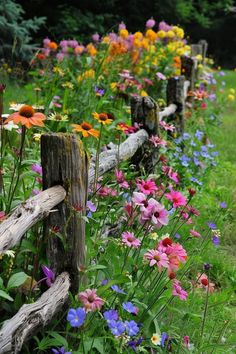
(186, 342)
(147, 187)
(155, 212)
(95, 37)
(121, 179)
(195, 233)
(140, 199)
(166, 126)
(122, 26)
(105, 191)
(178, 291)
(175, 252)
(203, 282)
(176, 198)
(150, 23)
(157, 258)
(128, 208)
(128, 239)
(171, 174)
(157, 141)
(90, 300)
(160, 76)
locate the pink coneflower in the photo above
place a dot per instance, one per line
(166, 126)
(171, 174)
(128, 208)
(121, 179)
(90, 300)
(178, 291)
(128, 239)
(157, 258)
(157, 141)
(195, 233)
(176, 198)
(147, 187)
(140, 199)
(155, 212)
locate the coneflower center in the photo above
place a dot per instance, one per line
(26, 111)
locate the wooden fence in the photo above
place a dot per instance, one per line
(66, 178)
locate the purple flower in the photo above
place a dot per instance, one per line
(129, 307)
(95, 37)
(163, 26)
(50, 275)
(111, 315)
(37, 168)
(99, 92)
(177, 236)
(134, 344)
(207, 266)
(104, 282)
(150, 23)
(116, 327)
(117, 289)
(211, 225)
(223, 205)
(199, 134)
(216, 241)
(122, 26)
(164, 337)
(131, 328)
(76, 317)
(160, 76)
(60, 351)
(91, 206)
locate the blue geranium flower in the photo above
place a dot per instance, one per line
(116, 327)
(76, 317)
(131, 328)
(111, 315)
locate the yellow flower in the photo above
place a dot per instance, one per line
(37, 137)
(86, 129)
(199, 57)
(170, 34)
(178, 31)
(161, 34)
(113, 86)
(138, 35)
(154, 236)
(106, 39)
(91, 49)
(124, 33)
(68, 85)
(87, 74)
(200, 66)
(232, 91)
(58, 71)
(143, 93)
(156, 339)
(103, 118)
(231, 98)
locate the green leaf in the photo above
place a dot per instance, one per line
(61, 340)
(16, 280)
(5, 295)
(96, 267)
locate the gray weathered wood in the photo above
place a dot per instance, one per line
(196, 49)
(32, 317)
(204, 45)
(176, 95)
(65, 162)
(109, 159)
(145, 112)
(27, 214)
(188, 69)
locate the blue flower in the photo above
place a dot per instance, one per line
(116, 327)
(199, 134)
(214, 153)
(192, 143)
(223, 205)
(215, 241)
(76, 317)
(211, 225)
(195, 161)
(177, 236)
(129, 307)
(195, 180)
(186, 136)
(117, 289)
(196, 153)
(111, 315)
(134, 344)
(131, 328)
(164, 337)
(60, 351)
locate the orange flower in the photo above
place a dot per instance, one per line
(86, 129)
(27, 116)
(53, 45)
(104, 118)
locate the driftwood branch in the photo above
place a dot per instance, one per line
(109, 159)
(169, 110)
(31, 317)
(27, 214)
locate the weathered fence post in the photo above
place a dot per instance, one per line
(65, 162)
(188, 69)
(204, 45)
(145, 112)
(175, 94)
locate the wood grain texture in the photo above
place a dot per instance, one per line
(27, 214)
(32, 317)
(176, 95)
(65, 162)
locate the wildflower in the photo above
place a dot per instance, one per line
(50, 275)
(103, 118)
(157, 141)
(37, 169)
(186, 341)
(58, 117)
(211, 225)
(160, 76)
(121, 179)
(27, 117)
(223, 205)
(178, 291)
(129, 307)
(76, 317)
(117, 327)
(176, 198)
(10, 125)
(195, 180)
(134, 344)
(157, 258)
(90, 300)
(129, 240)
(2, 216)
(203, 282)
(156, 339)
(166, 126)
(86, 129)
(131, 328)
(60, 351)
(155, 212)
(164, 338)
(91, 206)
(147, 187)
(117, 289)
(95, 37)
(110, 315)
(195, 233)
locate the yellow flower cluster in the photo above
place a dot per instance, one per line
(88, 74)
(231, 95)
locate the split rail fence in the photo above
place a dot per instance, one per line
(67, 175)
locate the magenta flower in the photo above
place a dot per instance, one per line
(157, 258)
(150, 23)
(140, 199)
(121, 179)
(50, 275)
(90, 300)
(166, 126)
(176, 198)
(95, 37)
(155, 212)
(122, 26)
(157, 141)
(178, 291)
(147, 187)
(128, 239)
(37, 169)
